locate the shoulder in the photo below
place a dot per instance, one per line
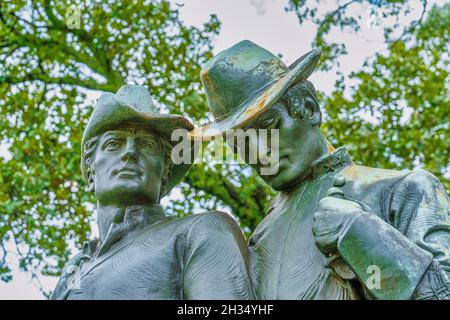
(421, 187)
(418, 180)
(399, 192)
(369, 175)
(372, 179)
(380, 189)
(214, 226)
(421, 180)
(86, 253)
(214, 221)
(69, 270)
(198, 226)
(372, 186)
(215, 217)
(409, 181)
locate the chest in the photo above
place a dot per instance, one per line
(145, 268)
(285, 262)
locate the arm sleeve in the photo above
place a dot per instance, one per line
(409, 244)
(421, 210)
(216, 260)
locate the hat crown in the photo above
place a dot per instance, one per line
(111, 109)
(136, 96)
(236, 74)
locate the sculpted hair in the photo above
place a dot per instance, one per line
(301, 101)
(164, 147)
(88, 157)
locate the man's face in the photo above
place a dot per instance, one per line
(128, 167)
(295, 146)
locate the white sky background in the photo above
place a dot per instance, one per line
(266, 23)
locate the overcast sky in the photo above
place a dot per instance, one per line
(266, 23)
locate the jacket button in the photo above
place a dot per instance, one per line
(339, 181)
(335, 192)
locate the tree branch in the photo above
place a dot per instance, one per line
(413, 25)
(87, 84)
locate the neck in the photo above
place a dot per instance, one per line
(324, 147)
(108, 214)
(321, 148)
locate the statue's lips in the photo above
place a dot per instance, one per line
(129, 171)
(281, 159)
(281, 163)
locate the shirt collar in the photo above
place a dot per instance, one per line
(135, 218)
(331, 162)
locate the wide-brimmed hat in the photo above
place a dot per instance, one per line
(244, 81)
(133, 104)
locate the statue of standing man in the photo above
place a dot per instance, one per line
(336, 230)
(142, 253)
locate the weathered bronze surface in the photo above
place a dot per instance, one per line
(235, 102)
(142, 253)
(336, 230)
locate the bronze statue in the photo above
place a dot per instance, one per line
(336, 230)
(143, 253)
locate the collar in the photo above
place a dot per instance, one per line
(331, 162)
(135, 218)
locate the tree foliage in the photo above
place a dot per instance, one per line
(397, 113)
(348, 16)
(406, 95)
(47, 71)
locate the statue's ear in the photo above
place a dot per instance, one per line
(313, 111)
(302, 103)
(91, 183)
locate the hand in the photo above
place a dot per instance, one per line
(331, 221)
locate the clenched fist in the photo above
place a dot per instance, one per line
(333, 218)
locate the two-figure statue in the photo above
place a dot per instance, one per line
(336, 230)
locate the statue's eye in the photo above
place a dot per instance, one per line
(112, 144)
(266, 122)
(148, 145)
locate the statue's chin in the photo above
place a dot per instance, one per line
(127, 193)
(279, 185)
(278, 182)
(285, 179)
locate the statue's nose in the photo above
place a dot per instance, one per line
(264, 150)
(130, 153)
(262, 147)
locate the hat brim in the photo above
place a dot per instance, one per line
(119, 114)
(261, 100)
